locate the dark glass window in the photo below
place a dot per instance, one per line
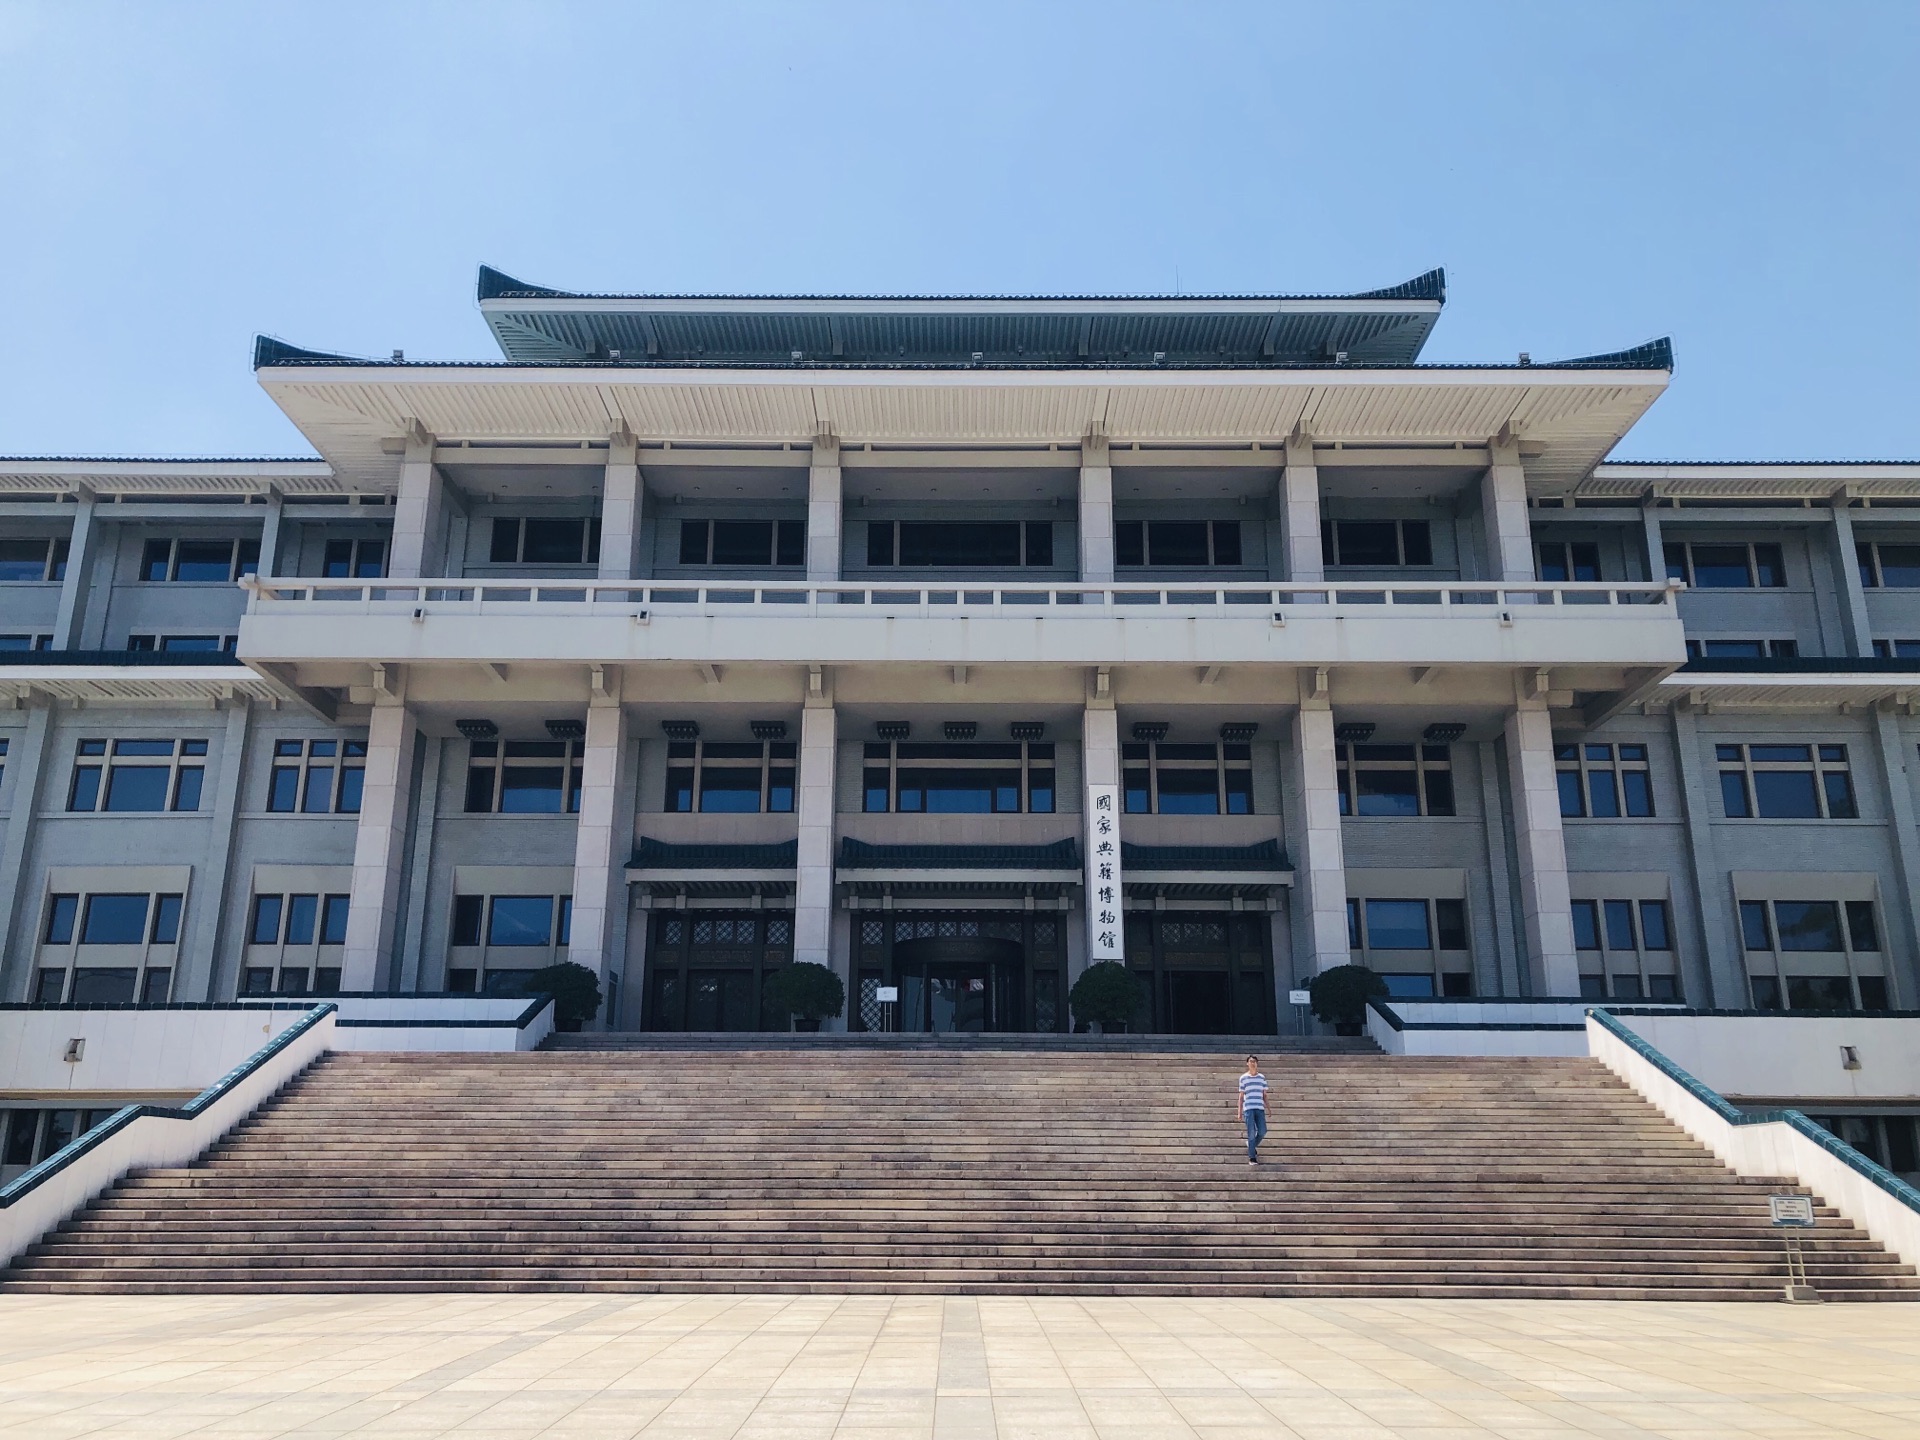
(62, 912)
(1564, 560)
(166, 920)
(520, 920)
(958, 544)
(333, 920)
(1807, 924)
(1861, 929)
(303, 913)
(1754, 930)
(1367, 542)
(268, 911)
(1397, 925)
(1654, 931)
(742, 542)
(1450, 920)
(467, 912)
(115, 920)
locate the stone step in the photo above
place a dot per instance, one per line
(948, 1168)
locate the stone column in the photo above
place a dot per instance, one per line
(1901, 978)
(413, 942)
(197, 975)
(813, 874)
(622, 502)
(1723, 969)
(1546, 908)
(270, 534)
(419, 515)
(1096, 511)
(599, 855)
(1320, 871)
(1855, 624)
(379, 845)
(823, 511)
(82, 549)
(1300, 501)
(1656, 542)
(27, 759)
(1503, 508)
(1100, 819)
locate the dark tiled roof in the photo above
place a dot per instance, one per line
(858, 855)
(661, 855)
(119, 657)
(1263, 855)
(498, 285)
(1804, 665)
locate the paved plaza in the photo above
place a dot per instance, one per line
(586, 1367)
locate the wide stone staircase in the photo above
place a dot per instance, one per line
(958, 1169)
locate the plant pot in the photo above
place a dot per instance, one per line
(807, 1027)
(1348, 1027)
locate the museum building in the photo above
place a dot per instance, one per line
(957, 643)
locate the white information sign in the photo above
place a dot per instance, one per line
(1791, 1210)
(1106, 928)
(1299, 997)
(887, 994)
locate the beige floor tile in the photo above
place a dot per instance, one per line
(927, 1368)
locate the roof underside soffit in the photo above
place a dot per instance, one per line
(1565, 420)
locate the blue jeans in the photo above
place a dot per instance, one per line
(1256, 1132)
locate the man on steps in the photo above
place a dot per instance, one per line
(1253, 1107)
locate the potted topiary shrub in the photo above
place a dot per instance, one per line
(575, 990)
(1107, 995)
(1340, 996)
(805, 993)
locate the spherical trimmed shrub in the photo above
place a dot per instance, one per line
(1107, 994)
(805, 991)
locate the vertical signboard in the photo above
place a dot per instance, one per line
(1106, 930)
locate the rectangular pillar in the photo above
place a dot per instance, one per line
(1901, 977)
(419, 515)
(27, 759)
(379, 846)
(1545, 903)
(1320, 870)
(1100, 761)
(413, 943)
(1503, 509)
(270, 534)
(1300, 501)
(622, 501)
(599, 858)
(823, 511)
(1720, 979)
(1854, 622)
(82, 548)
(1096, 511)
(197, 975)
(1655, 540)
(813, 875)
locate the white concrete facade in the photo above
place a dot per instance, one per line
(869, 630)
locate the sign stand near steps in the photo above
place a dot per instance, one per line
(1791, 1214)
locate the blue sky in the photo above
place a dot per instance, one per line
(1743, 176)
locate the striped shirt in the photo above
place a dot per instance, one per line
(1253, 1092)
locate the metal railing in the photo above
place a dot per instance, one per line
(937, 599)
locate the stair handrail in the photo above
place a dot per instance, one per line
(28, 1184)
(1888, 1208)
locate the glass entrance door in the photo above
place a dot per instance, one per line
(1198, 1002)
(959, 985)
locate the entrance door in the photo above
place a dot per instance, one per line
(722, 1000)
(1198, 1002)
(959, 985)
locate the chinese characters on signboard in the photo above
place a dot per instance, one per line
(1106, 929)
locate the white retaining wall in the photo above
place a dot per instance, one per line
(1790, 1057)
(1767, 1149)
(149, 1141)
